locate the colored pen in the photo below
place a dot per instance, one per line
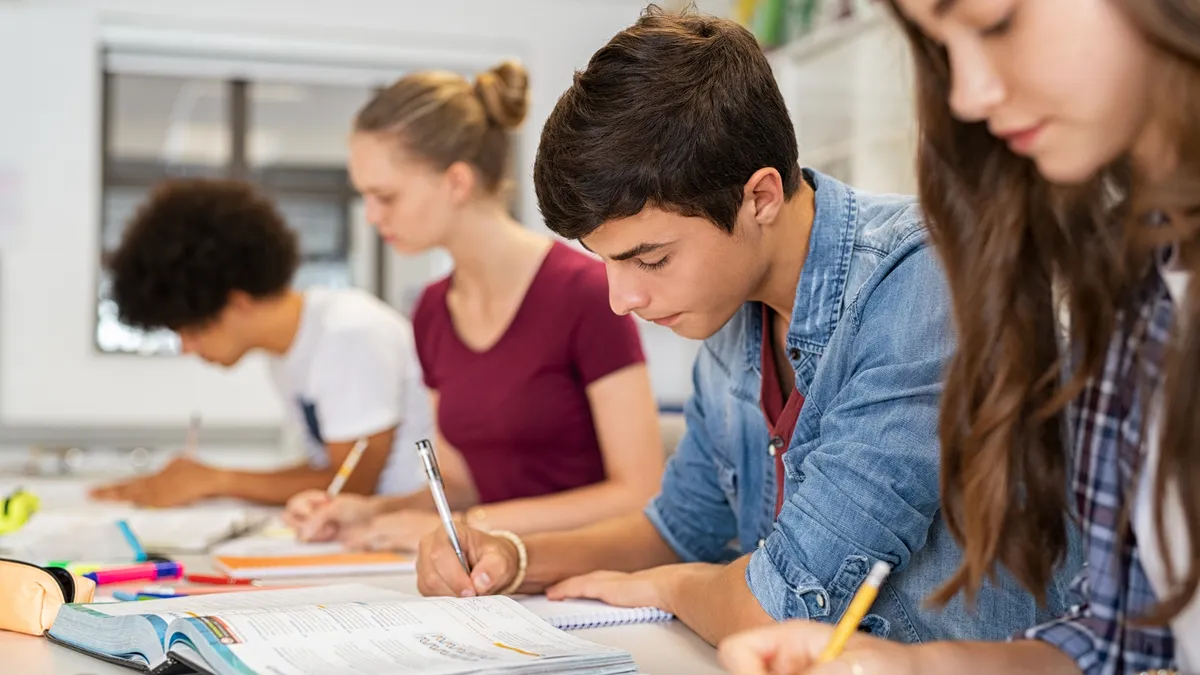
(139, 554)
(856, 611)
(438, 490)
(128, 596)
(205, 590)
(218, 580)
(84, 568)
(343, 474)
(142, 572)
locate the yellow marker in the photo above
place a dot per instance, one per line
(339, 481)
(17, 509)
(519, 651)
(856, 611)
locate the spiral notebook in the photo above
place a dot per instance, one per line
(579, 614)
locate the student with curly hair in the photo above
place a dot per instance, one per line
(213, 261)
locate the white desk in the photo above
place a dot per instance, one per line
(658, 649)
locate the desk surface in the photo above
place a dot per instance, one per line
(658, 649)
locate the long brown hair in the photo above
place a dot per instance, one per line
(1018, 251)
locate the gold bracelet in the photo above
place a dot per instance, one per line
(522, 560)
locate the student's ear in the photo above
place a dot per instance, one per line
(239, 302)
(461, 179)
(764, 193)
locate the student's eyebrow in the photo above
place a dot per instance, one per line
(640, 249)
(942, 7)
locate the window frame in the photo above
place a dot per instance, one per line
(276, 182)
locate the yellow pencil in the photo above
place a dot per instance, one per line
(339, 480)
(856, 611)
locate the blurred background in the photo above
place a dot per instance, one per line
(103, 98)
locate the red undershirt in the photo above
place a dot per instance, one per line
(781, 417)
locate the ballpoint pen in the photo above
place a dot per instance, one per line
(438, 489)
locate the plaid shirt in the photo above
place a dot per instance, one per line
(1106, 449)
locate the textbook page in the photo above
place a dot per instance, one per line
(437, 636)
(251, 601)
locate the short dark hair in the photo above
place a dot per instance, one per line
(677, 112)
(191, 244)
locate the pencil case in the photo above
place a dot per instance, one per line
(30, 596)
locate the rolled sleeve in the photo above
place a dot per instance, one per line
(692, 512)
(866, 488)
(1072, 635)
(784, 590)
(1103, 646)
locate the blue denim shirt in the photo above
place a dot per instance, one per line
(869, 340)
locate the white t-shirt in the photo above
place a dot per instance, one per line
(1185, 626)
(351, 372)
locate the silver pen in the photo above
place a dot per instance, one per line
(438, 489)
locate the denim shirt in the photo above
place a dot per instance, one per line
(869, 340)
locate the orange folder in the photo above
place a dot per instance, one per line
(334, 564)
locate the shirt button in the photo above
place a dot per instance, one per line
(776, 444)
(762, 543)
(794, 354)
(821, 601)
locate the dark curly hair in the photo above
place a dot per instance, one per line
(193, 243)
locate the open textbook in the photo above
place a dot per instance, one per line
(331, 629)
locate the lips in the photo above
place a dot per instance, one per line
(665, 320)
(1021, 140)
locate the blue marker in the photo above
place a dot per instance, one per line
(139, 554)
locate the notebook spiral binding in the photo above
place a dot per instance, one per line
(622, 618)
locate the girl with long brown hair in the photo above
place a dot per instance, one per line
(1059, 165)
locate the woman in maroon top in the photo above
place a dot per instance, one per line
(541, 395)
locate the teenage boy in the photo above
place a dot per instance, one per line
(811, 449)
(213, 261)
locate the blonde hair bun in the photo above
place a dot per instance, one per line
(504, 92)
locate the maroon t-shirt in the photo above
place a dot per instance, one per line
(519, 412)
(781, 416)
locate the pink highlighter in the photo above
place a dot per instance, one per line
(151, 571)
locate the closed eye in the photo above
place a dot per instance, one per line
(651, 266)
(1000, 27)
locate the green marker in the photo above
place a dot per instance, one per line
(82, 568)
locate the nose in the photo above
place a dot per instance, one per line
(625, 295)
(975, 86)
(373, 212)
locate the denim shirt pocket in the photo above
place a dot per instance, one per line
(850, 576)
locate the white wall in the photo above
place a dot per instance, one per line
(50, 374)
(849, 91)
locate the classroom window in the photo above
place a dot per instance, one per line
(288, 138)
